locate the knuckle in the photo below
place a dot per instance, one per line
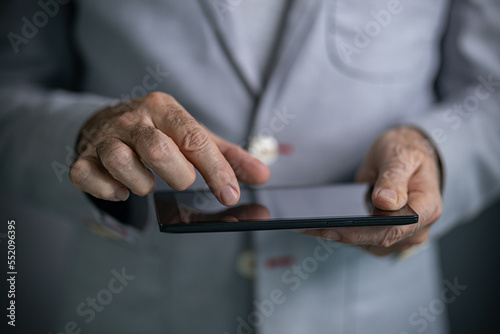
(417, 239)
(437, 212)
(103, 193)
(195, 140)
(218, 172)
(221, 173)
(402, 159)
(395, 168)
(142, 135)
(416, 156)
(158, 152)
(154, 99)
(80, 173)
(151, 146)
(167, 98)
(182, 183)
(114, 154)
(105, 146)
(123, 121)
(391, 236)
(120, 158)
(177, 116)
(145, 189)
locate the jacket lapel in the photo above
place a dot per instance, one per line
(223, 17)
(297, 27)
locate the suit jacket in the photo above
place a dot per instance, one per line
(343, 72)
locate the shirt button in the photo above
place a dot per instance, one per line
(245, 264)
(265, 148)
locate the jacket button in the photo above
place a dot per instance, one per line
(265, 148)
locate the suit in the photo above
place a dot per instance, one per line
(342, 73)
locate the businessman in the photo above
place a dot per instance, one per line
(125, 97)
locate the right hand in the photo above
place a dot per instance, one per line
(118, 144)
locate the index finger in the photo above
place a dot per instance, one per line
(197, 145)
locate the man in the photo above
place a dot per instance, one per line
(348, 85)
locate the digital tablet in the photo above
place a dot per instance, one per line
(286, 208)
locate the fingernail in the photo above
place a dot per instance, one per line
(228, 195)
(388, 194)
(332, 235)
(122, 194)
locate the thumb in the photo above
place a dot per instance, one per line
(390, 191)
(247, 168)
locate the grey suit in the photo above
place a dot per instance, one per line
(344, 72)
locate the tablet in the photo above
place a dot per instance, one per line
(288, 208)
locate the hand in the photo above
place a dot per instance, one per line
(404, 168)
(118, 145)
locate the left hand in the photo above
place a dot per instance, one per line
(404, 168)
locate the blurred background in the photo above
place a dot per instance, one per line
(471, 253)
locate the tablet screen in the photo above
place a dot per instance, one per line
(285, 208)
